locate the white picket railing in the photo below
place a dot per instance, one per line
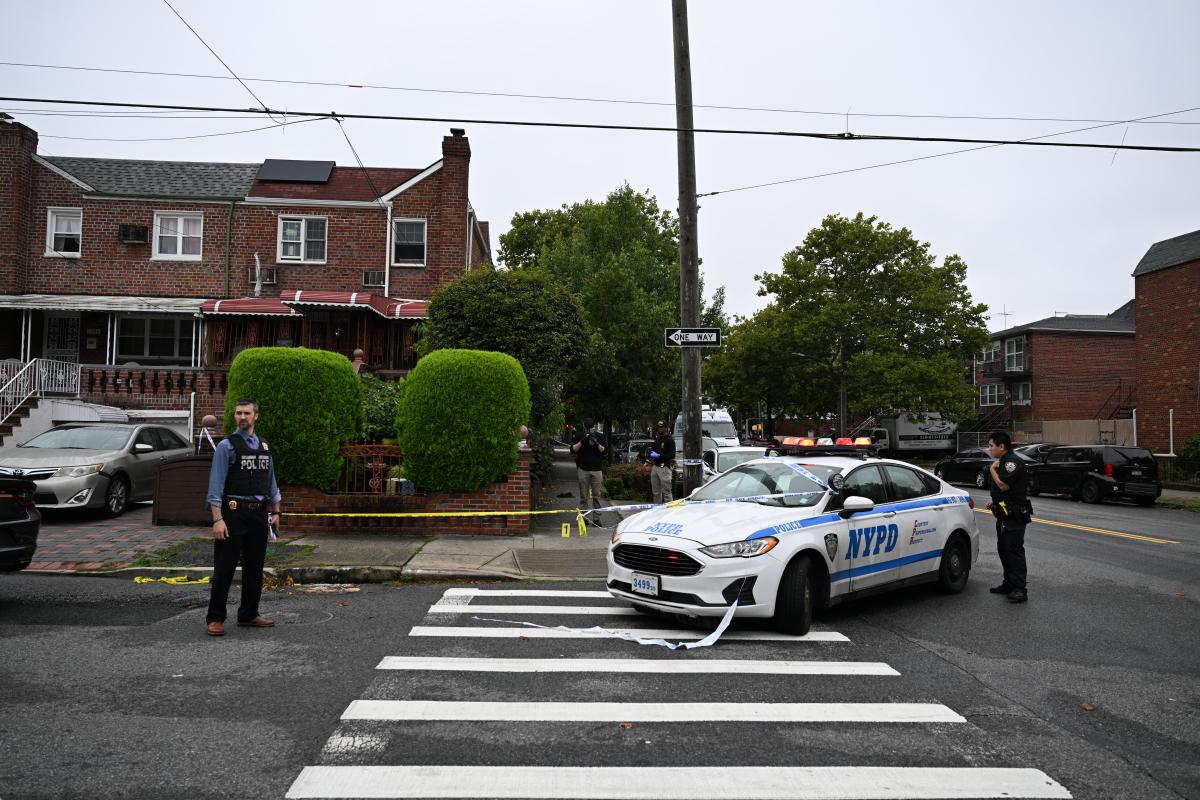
(41, 377)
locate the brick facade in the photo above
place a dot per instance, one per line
(1168, 355)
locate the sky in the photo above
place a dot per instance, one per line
(1042, 230)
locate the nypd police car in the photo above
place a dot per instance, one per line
(788, 534)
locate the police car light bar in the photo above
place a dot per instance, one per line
(844, 450)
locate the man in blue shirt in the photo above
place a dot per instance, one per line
(244, 499)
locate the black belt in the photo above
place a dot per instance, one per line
(235, 504)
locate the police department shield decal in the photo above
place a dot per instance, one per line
(831, 541)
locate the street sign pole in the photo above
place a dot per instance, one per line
(689, 254)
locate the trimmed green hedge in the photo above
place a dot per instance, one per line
(460, 419)
(311, 401)
(381, 403)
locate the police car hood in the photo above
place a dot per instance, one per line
(712, 523)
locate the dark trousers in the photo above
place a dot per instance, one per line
(247, 542)
(1010, 544)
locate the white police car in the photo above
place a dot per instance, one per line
(846, 524)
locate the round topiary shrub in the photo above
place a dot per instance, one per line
(310, 402)
(460, 419)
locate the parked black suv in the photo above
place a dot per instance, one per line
(1093, 472)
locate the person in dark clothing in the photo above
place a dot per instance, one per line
(1010, 506)
(241, 492)
(662, 453)
(589, 447)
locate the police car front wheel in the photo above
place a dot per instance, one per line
(794, 602)
(955, 568)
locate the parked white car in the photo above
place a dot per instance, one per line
(819, 529)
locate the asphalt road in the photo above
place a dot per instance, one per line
(110, 689)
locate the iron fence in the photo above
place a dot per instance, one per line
(372, 469)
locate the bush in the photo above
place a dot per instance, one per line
(381, 404)
(311, 402)
(628, 482)
(460, 419)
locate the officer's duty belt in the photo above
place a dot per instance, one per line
(234, 505)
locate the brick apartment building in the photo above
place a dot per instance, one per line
(1167, 288)
(154, 275)
(1073, 367)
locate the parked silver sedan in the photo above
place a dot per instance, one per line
(93, 465)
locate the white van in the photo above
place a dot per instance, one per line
(716, 424)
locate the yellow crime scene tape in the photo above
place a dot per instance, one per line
(1103, 531)
(174, 580)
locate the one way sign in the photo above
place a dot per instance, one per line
(693, 337)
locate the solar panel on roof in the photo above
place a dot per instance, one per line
(283, 169)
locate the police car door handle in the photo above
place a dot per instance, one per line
(889, 513)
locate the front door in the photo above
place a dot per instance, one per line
(62, 336)
(874, 544)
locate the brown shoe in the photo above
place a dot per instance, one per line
(215, 629)
(258, 622)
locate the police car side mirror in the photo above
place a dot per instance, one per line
(142, 447)
(855, 505)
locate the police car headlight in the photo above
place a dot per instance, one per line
(616, 535)
(744, 549)
(81, 471)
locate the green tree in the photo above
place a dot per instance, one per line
(872, 310)
(620, 259)
(525, 314)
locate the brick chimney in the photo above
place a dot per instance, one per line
(456, 162)
(18, 144)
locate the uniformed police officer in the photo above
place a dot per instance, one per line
(1010, 507)
(241, 492)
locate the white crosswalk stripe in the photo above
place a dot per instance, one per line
(371, 728)
(675, 783)
(627, 665)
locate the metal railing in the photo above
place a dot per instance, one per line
(371, 469)
(41, 377)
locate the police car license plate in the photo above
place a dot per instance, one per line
(645, 584)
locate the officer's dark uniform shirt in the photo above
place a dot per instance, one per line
(1010, 503)
(589, 458)
(250, 471)
(665, 447)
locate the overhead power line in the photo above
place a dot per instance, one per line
(214, 52)
(923, 158)
(842, 137)
(572, 98)
(272, 126)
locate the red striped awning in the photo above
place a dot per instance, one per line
(390, 307)
(259, 306)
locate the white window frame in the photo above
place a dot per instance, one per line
(1027, 391)
(280, 258)
(158, 217)
(424, 242)
(990, 353)
(66, 211)
(1014, 349)
(991, 394)
(145, 356)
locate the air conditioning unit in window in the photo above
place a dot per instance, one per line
(373, 277)
(270, 276)
(133, 234)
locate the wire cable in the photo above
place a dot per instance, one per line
(365, 171)
(933, 155)
(214, 52)
(842, 137)
(180, 138)
(570, 98)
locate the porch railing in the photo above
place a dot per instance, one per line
(41, 377)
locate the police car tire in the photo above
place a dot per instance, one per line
(1090, 492)
(794, 601)
(955, 566)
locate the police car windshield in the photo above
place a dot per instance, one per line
(766, 478)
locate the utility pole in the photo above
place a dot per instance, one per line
(689, 254)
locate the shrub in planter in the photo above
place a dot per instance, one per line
(460, 419)
(634, 482)
(311, 402)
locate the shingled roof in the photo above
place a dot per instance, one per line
(1119, 321)
(1170, 253)
(183, 179)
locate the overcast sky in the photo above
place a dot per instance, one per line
(1043, 230)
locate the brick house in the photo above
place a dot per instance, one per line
(1167, 289)
(1073, 367)
(153, 275)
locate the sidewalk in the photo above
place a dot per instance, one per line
(77, 543)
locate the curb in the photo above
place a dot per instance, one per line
(308, 575)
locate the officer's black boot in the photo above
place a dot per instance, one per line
(1018, 596)
(1003, 588)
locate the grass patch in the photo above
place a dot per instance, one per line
(198, 552)
(1181, 503)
